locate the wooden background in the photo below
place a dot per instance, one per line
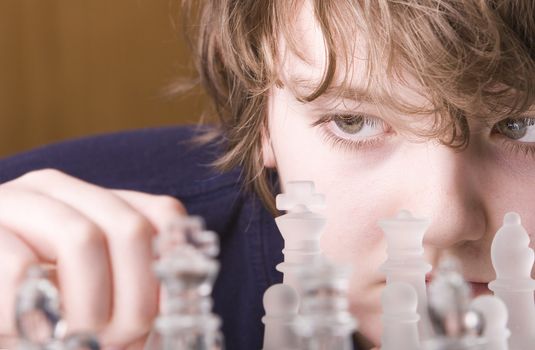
(78, 67)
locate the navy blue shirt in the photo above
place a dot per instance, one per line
(165, 161)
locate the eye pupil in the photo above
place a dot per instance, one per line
(515, 125)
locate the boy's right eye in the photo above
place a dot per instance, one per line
(356, 126)
(352, 131)
(350, 124)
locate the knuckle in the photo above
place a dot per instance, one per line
(83, 234)
(134, 228)
(46, 173)
(140, 325)
(171, 205)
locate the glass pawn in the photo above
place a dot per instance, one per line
(187, 269)
(324, 321)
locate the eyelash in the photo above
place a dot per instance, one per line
(338, 143)
(342, 144)
(515, 147)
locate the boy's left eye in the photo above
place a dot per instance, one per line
(518, 129)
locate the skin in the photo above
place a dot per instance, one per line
(464, 194)
(81, 229)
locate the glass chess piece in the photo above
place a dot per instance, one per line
(187, 269)
(455, 325)
(325, 322)
(494, 312)
(513, 259)
(39, 321)
(399, 301)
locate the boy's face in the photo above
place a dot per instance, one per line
(368, 169)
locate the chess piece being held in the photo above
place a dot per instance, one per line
(39, 321)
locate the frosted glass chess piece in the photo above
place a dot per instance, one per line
(400, 319)
(494, 313)
(455, 326)
(301, 228)
(38, 317)
(187, 268)
(281, 303)
(513, 259)
(325, 322)
(405, 262)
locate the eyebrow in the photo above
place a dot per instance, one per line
(357, 94)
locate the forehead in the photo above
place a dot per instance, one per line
(304, 58)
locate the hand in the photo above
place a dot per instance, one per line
(99, 241)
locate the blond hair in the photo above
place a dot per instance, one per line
(473, 58)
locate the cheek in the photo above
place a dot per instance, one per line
(512, 199)
(352, 235)
(354, 191)
(508, 186)
(354, 205)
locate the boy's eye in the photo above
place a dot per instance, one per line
(356, 126)
(349, 124)
(353, 132)
(518, 129)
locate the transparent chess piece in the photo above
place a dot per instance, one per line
(301, 228)
(39, 321)
(456, 326)
(513, 260)
(399, 301)
(187, 269)
(325, 322)
(495, 313)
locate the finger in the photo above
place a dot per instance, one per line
(9, 342)
(16, 257)
(138, 344)
(59, 234)
(129, 235)
(161, 210)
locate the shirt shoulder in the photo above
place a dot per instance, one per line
(165, 160)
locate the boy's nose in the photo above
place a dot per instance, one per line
(444, 187)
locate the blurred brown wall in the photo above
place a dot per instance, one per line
(76, 67)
